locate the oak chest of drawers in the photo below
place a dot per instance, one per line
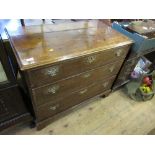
(66, 64)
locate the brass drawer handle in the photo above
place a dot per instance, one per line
(118, 52)
(86, 75)
(111, 69)
(52, 71)
(83, 91)
(105, 84)
(91, 59)
(53, 89)
(54, 107)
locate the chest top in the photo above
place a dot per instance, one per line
(36, 46)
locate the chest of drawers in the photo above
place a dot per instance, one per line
(65, 64)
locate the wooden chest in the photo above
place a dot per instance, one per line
(66, 64)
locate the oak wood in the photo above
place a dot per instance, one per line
(44, 94)
(57, 57)
(39, 45)
(42, 124)
(71, 67)
(74, 98)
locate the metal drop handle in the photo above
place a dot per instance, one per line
(52, 71)
(54, 107)
(91, 59)
(86, 75)
(53, 89)
(83, 91)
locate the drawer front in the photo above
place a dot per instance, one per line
(50, 109)
(72, 67)
(62, 88)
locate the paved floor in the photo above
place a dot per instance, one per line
(116, 114)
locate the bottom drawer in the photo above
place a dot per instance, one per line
(52, 108)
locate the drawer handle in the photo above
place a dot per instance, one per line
(105, 84)
(52, 71)
(87, 75)
(118, 52)
(83, 91)
(91, 59)
(111, 69)
(53, 89)
(54, 107)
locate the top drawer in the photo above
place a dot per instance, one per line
(54, 72)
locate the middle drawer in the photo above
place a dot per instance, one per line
(61, 88)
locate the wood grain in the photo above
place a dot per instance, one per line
(64, 87)
(39, 45)
(52, 60)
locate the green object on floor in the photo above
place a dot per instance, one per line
(138, 92)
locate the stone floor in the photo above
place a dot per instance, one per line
(116, 114)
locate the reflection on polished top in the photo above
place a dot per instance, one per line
(45, 44)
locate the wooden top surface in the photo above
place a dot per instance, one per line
(45, 44)
(142, 27)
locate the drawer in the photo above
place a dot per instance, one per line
(52, 108)
(62, 88)
(49, 74)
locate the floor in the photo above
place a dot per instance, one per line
(115, 114)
